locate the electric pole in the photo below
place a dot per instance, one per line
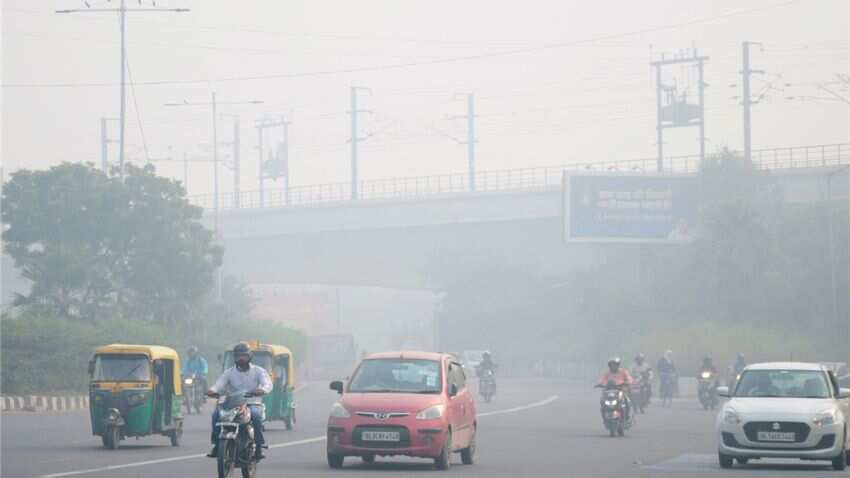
(122, 19)
(104, 143)
(470, 137)
(355, 139)
(284, 152)
(678, 112)
(746, 72)
(236, 165)
(261, 127)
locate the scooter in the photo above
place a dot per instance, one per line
(642, 391)
(707, 389)
(612, 405)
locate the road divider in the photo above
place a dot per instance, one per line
(39, 403)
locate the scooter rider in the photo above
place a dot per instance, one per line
(620, 377)
(196, 365)
(244, 376)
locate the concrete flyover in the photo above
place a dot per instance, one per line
(397, 242)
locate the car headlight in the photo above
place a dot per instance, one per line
(431, 413)
(731, 417)
(338, 411)
(826, 417)
(188, 381)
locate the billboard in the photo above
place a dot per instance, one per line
(630, 207)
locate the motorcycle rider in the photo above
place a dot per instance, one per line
(243, 376)
(666, 369)
(620, 377)
(197, 365)
(487, 365)
(740, 364)
(641, 371)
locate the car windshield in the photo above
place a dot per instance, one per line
(783, 383)
(121, 368)
(397, 376)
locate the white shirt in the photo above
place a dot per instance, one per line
(234, 380)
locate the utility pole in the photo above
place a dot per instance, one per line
(746, 72)
(261, 126)
(122, 19)
(355, 139)
(104, 143)
(678, 112)
(285, 158)
(470, 137)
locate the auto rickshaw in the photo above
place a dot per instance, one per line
(135, 391)
(280, 363)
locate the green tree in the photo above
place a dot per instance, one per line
(94, 246)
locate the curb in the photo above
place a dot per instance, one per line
(39, 403)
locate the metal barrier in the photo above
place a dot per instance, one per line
(522, 179)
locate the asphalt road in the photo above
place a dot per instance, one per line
(532, 429)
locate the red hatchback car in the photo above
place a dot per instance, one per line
(403, 403)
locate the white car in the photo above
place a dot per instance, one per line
(784, 410)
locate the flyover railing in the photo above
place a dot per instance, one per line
(506, 180)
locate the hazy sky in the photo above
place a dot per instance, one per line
(546, 92)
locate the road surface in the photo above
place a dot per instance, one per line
(534, 428)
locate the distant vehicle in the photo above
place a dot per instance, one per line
(784, 410)
(413, 404)
(707, 389)
(330, 357)
(470, 359)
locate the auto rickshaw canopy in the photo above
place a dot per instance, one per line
(153, 352)
(279, 351)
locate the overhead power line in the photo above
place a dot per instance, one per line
(439, 61)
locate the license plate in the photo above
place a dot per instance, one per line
(381, 436)
(777, 436)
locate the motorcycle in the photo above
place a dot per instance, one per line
(194, 387)
(613, 408)
(487, 384)
(236, 445)
(707, 389)
(642, 391)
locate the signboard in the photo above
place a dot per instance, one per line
(630, 208)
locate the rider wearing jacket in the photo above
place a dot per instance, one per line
(195, 365)
(620, 377)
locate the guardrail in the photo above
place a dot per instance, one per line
(521, 179)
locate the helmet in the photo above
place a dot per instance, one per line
(640, 358)
(486, 355)
(193, 350)
(242, 349)
(614, 363)
(706, 360)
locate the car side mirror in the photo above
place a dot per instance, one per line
(844, 393)
(91, 367)
(336, 386)
(723, 392)
(453, 390)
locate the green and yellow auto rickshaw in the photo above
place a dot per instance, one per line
(280, 404)
(280, 363)
(134, 392)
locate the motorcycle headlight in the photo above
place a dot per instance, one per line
(706, 375)
(731, 417)
(188, 381)
(611, 403)
(338, 411)
(228, 415)
(431, 413)
(826, 417)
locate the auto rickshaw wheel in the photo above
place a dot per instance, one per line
(176, 434)
(111, 438)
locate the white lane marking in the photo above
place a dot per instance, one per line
(171, 459)
(288, 444)
(541, 403)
